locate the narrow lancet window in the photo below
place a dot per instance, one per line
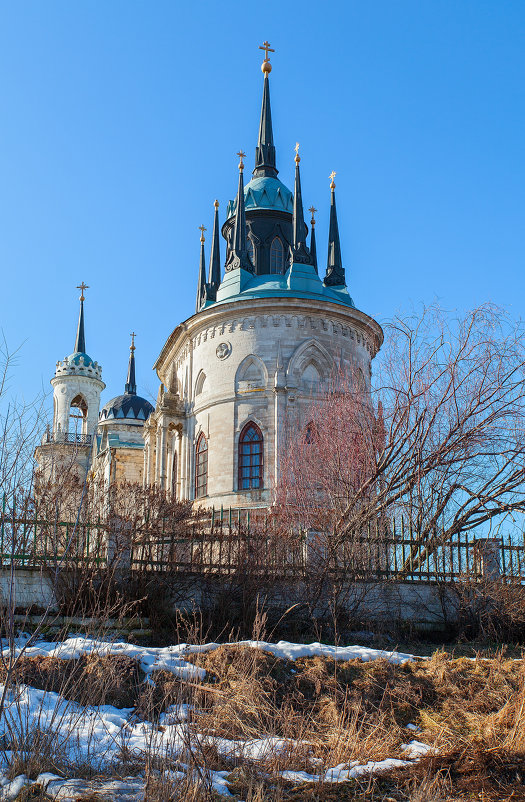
(201, 467)
(276, 256)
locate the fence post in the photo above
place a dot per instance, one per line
(487, 551)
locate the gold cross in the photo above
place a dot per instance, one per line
(82, 287)
(132, 346)
(296, 147)
(331, 177)
(202, 229)
(297, 157)
(241, 156)
(313, 210)
(267, 49)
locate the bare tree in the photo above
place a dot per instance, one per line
(440, 439)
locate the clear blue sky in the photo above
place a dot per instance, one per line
(120, 121)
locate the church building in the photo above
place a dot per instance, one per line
(265, 334)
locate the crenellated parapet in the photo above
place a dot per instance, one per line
(79, 365)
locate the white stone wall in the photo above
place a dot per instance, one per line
(247, 361)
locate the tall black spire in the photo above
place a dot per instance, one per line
(265, 150)
(238, 257)
(130, 388)
(335, 273)
(201, 286)
(300, 252)
(313, 247)
(80, 342)
(214, 277)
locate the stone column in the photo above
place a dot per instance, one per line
(163, 455)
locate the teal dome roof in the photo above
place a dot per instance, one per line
(264, 192)
(74, 359)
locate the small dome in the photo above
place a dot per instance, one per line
(265, 192)
(74, 359)
(126, 407)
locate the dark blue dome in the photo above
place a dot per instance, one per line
(126, 407)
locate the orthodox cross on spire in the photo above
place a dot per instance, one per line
(265, 150)
(130, 388)
(82, 287)
(266, 67)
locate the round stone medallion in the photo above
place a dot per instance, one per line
(223, 350)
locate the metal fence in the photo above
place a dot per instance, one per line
(230, 541)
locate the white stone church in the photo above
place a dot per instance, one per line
(265, 334)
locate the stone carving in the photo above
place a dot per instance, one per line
(223, 350)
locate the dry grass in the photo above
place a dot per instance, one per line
(472, 711)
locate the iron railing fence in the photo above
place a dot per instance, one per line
(229, 541)
(68, 437)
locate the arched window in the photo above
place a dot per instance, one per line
(251, 250)
(201, 467)
(250, 458)
(77, 419)
(310, 433)
(199, 384)
(276, 256)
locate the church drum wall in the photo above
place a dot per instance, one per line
(220, 342)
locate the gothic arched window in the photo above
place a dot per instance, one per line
(276, 256)
(251, 250)
(250, 458)
(201, 467)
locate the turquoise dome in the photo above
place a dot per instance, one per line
(264, 193)
(74, 359)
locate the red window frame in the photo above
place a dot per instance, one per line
(251, 457)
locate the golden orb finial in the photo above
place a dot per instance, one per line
(266, 67)
(132, 346)
(241, 156)
(297, 157)
(202, 229)
(216, 204)
(331, 177)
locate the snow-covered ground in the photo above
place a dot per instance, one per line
(100, 735)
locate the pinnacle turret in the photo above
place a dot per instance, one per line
(313, 246)
(214, 278)
(201, 286)
(335, 273)
(300, 252)
(238, 257)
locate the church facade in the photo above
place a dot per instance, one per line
(264, 338)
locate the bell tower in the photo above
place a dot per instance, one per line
(77, 385)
